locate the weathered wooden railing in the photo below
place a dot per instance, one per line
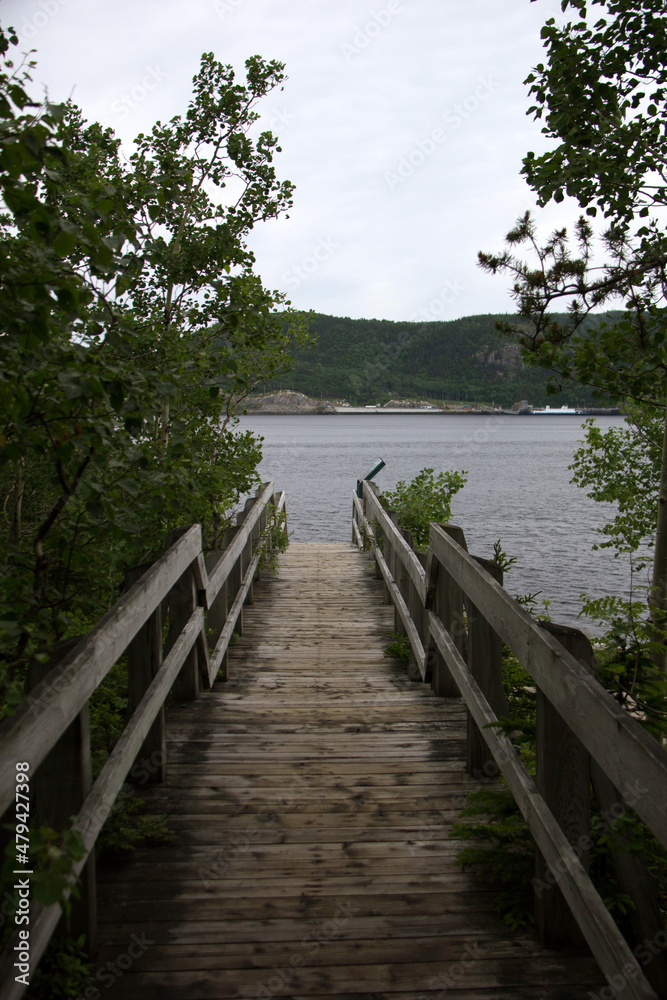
(457, 616)
(201, 598)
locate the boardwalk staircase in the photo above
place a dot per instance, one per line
(311, 782)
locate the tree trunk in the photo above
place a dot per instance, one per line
(164, 423)
(19, 487)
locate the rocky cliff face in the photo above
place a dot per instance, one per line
(502, 362)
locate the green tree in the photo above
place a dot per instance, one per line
(601, 96)
(131, 327)
(622, 465)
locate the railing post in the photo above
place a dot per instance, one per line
(144, 659)
(219, 608)
(395, 568)
(485, 662)
(182, 601)
(234, 580)
(563, 778)
(413, 601)
(264, 518)
(258, 528)
(59, 787)
(382, 543)
(634, 879)
(445, 598)
(246, 557)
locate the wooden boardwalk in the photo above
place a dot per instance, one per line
(312, 795)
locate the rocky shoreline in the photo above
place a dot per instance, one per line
(287, 401)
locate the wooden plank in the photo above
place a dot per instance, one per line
(485, 662)
(405, 906)
(201, 579)
(279, 499)
(104, 792)
(399, 545)
(318, 773)
(339, 981)
(223, 568)
(358, 519)
(217, 613)
(58, 789)
(230, 624)
(624, 750)
(635, 879)
(289, 928)
(182, 603)
(402, 608)
(563, 776)
(247, 554)
(334, 952)
(604, 939)
(445, 598)
(397, 598)
(35, 727)
(144, 659)
(414, 602)
(357, 536)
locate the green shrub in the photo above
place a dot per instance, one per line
(426, 498)
(399, 648)
(63, 973)
(127, 827)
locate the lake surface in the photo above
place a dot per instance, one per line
(518, 489)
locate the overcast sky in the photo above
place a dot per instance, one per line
(402, 123)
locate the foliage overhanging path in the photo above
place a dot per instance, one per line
(132, 328)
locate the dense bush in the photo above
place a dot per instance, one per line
(426, 498)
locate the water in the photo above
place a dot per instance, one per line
(518, 489)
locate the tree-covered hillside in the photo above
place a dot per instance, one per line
(369, 361)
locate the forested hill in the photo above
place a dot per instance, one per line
(371, 361)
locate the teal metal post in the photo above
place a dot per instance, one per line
(374, 471)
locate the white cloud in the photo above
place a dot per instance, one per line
(369, 86)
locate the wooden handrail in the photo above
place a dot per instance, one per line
(224, 567)
(616, 741)
(377, 512)
(37, 726)
(232, 617)
(39, 722)
(597, 925)
(396, 596)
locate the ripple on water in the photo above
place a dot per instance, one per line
(518, 489)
